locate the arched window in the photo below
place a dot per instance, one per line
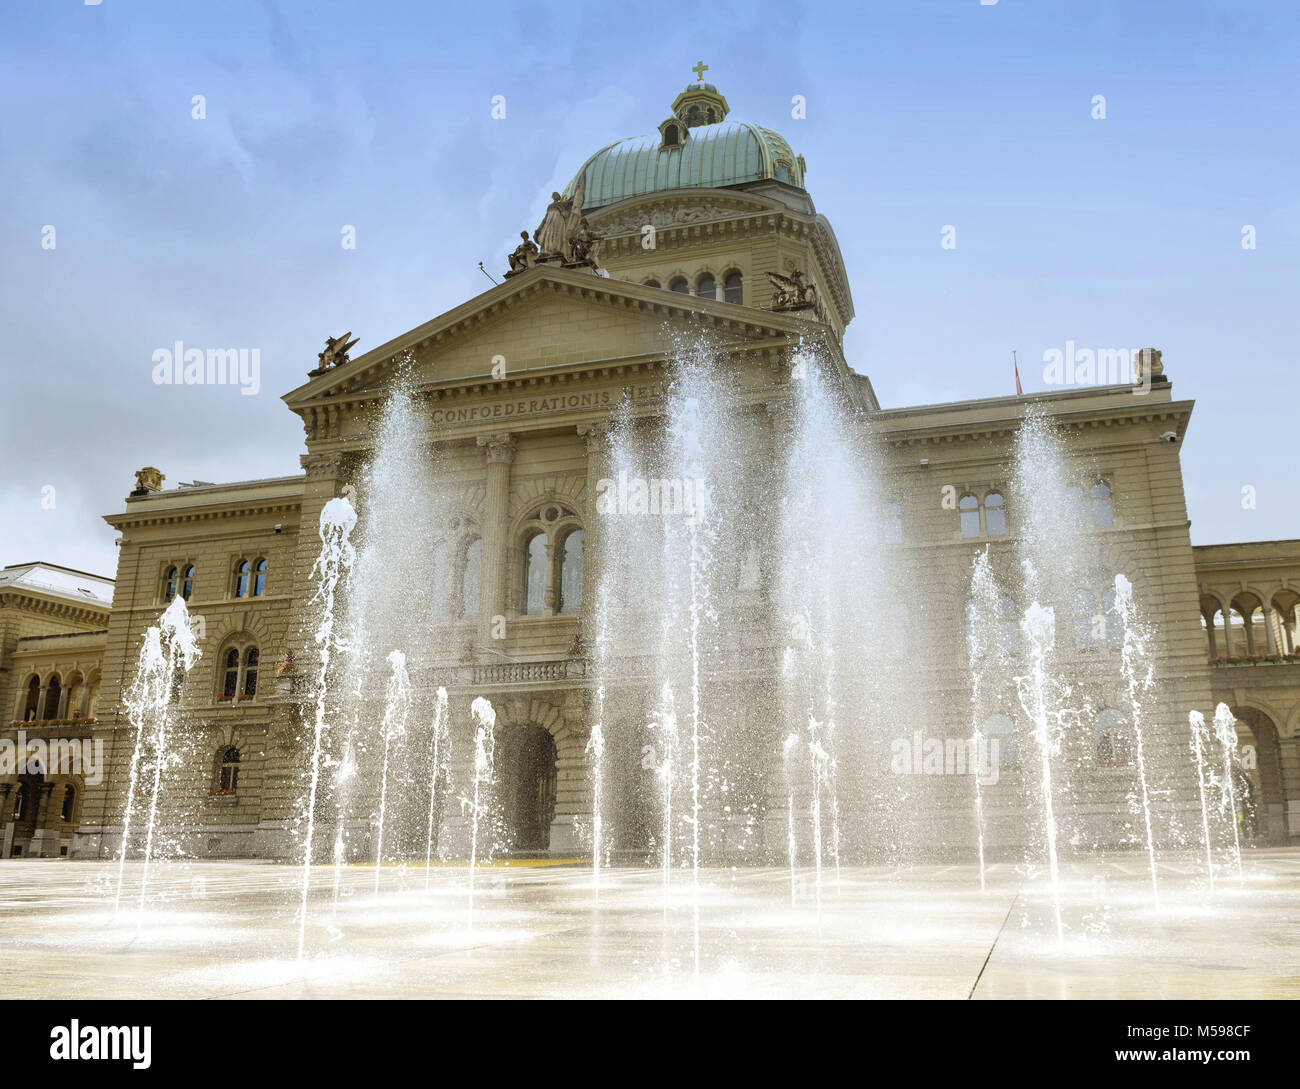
(228, 776)
(1113, 747)
(471, 579)
(706, 287)
(1000, 729)
(571, 572)
(995, 515)
(733, 289)
(33, 699)
(53, 693)
(1085, 609)
(679, 284)
(69, 804)
(76, 695)
(672, 136)
(653, 283)
(1008, 625)
(550, 564)
(535, 573)
(230, 675)
(237, 669)
(242, 569)
(169, 584)
(259, 578)
(1103, 512)
(969, 507)
(20, 802)
(187, 582)
(251, 658)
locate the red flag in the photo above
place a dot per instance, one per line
(1016, 366)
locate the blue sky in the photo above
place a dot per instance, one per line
(225, 231)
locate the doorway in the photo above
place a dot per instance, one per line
(529, 787)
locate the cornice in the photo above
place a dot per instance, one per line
(322, 420)
(212, 512)
(1079, 420)
(28, 602)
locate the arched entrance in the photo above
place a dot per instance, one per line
(1267, 776)
(527, 777)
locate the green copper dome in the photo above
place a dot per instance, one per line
(696, 148)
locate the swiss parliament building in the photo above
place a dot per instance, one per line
(703, 226)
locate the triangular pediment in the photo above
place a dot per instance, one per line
(549, 318)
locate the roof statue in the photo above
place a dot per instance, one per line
(791, 292)
(563, 236)
(148, 479)
(335, 353)
(524, 256)
(559, 223)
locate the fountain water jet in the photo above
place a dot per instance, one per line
(665, 722)
(168, 652)
(982, 646)
(485, 720)
(1225, 732)
(1200, 742)
(393, 727)
(1040, 628)
(787, 750)
(337, 521)
(437, 742)
(1139, 679)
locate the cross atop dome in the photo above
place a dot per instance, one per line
(701, 103)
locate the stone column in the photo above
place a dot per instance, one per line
(42, 837)
(596, 439)
(1269, 641)
(499, 454)
(1227, 631)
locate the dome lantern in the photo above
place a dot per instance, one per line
(700, 103)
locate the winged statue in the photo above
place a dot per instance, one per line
(792, 292)
(336, 352)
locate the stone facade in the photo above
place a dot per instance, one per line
(53, 625)
(1248, 596)
(516, 387)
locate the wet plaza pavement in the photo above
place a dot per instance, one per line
(230, 930)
